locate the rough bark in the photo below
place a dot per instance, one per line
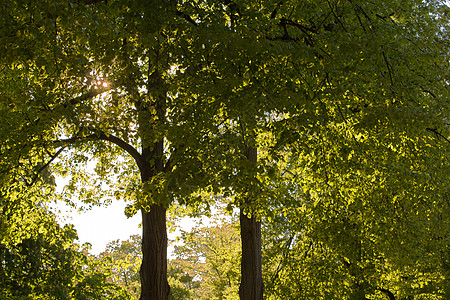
(154, 285)
(251, 287)
(359, 281)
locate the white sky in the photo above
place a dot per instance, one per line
(100, 225)
(104, 224)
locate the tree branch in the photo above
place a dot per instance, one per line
(91, 94)
(388, 293)
(336, 16)
(88, 2)
(169, 164)
(428, 92)
(437, 133)
(304, 29)
(100, 135)
(388, 67)
(186, 17)
(275, 11)
(36, 176)
(282, 259)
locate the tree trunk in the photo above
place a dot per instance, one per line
(153, 272)
(154, 285)
(252, 286)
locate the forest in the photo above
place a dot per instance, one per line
(313, 135)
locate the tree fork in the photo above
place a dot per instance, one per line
(252, 286)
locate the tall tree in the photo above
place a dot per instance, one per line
(80, 75)
(182, 88)
(104, 78)
(345, 75)
(363, 245)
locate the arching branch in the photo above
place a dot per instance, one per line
(100, 135)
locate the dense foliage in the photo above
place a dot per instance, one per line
(40, 260)
(327, 120)
(123, 259)
(298, 263)
(209, 256)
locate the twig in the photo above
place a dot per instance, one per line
(36, 176)
(437, 133)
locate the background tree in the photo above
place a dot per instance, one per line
(39, 259)
(124, 259)
(205, 262)
(210, 255)
(356, 238)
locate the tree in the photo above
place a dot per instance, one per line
(187, 90)
(81, 74)
(205, 263)
(39, 259)
(309, 253)
(342, 85)
(123, 259)
(209, 257)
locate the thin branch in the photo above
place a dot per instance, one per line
(185, 16)
(287, 244)
(91, 94)
(362, 11)
(169, 164)
(360, 22)
(303, 28)
(336, 16)
(388, 67)
(275, 11)
(428, 92)
(89, 2)
(38, 172)
(437, 133)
